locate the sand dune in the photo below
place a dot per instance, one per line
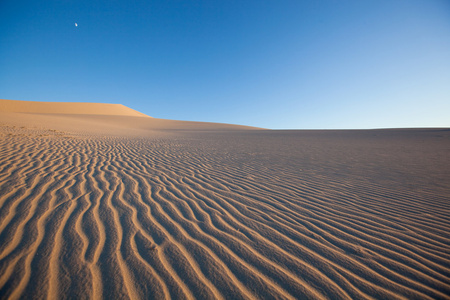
(145, 208)
(36, 107)
(98, 119)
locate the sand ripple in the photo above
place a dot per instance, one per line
(224, 216)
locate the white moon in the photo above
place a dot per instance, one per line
(76, 24)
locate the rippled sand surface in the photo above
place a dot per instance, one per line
(135, 213)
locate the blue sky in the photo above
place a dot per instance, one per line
(273, 64)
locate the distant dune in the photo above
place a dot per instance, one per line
(99, 118)
(80, 108)
(99, 201)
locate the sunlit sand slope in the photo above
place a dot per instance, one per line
(67, 108)
(224, 215)
(97, 118)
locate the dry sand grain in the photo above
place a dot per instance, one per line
(124, 206)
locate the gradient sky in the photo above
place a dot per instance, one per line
(273, 64)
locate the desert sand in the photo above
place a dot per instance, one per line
(101, 201)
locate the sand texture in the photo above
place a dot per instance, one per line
(131, 207)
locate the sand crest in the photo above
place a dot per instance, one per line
(124, 206)
(78, 108)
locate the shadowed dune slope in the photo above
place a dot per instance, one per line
(128, 212)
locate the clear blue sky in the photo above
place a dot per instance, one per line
(274, 64)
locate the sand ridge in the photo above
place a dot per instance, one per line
(37, 107)
(220, 214)
(99, 119)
